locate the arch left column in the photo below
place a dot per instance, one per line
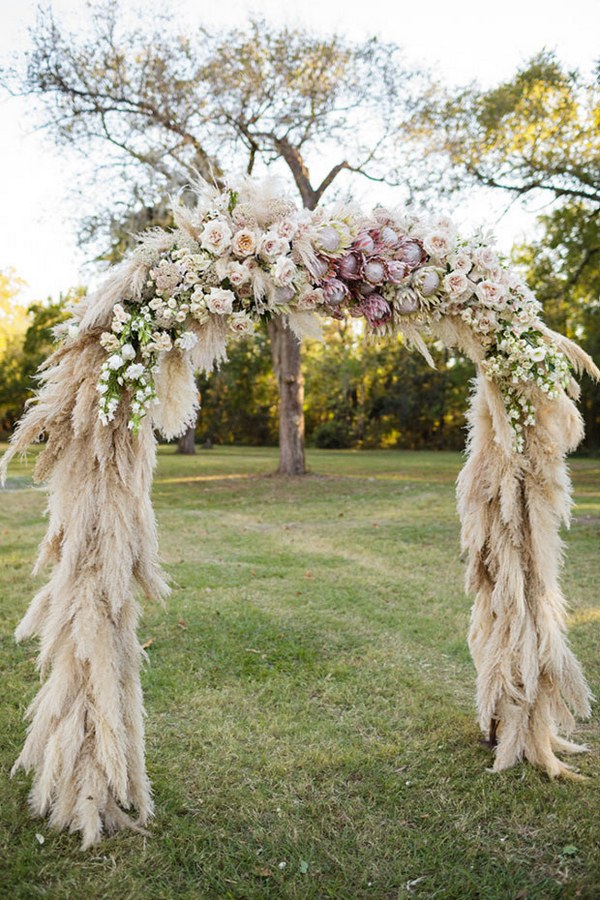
(85, 741)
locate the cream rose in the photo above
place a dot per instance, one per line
(456, 284)
(438, 244)
(240, 323)
(490, 293)
(283, 271)
(220, 301)
(486, 259)
(237, 274)
(461, 262)
(216, 236)
(244, 242)
(287, 229)
(272, 246)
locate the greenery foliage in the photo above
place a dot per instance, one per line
(24, 353)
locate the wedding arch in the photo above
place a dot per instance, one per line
(125, 366)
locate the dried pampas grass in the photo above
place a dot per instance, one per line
(85, 741)
(529, 683)
(177, 395)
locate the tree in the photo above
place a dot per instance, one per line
(167, 106)
(534, 136)
(537, 136)
(13, 316)
(21, 356)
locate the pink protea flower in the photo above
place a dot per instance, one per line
(350, 266)
(411, 252)
(376, 310)
(328, 239)
(427, 281)
(396, 270)
(320, 267)
(374, 270)
(389, 236)
(365, 243)
(335, 291)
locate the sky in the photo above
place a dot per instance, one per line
(460, 41)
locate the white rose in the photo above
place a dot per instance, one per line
(490, 292)
(120, 314)
(244, 242)
(486, 323)
(283, 271)
(220, 301)
(127, 351)
(240, 323)
(187, 340)
(438, 244)
(216, 236)
(114, 362)
(135, 370)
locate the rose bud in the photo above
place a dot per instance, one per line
(396, 270)
(364, 242)
(328, 239)
(350, 266)
(376, 310)
(375, 270)
(335, 291)
(412, 253)
(388, 236)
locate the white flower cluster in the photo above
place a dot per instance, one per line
(246, 256)
(134, 344)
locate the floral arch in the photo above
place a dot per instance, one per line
(125, 365)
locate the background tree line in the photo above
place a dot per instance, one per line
(164, 107)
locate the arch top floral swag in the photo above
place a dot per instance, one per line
(249, 254)
(125, 364)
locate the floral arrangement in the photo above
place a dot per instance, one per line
(249, 254)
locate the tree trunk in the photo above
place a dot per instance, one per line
(186, 444)
(285, 350)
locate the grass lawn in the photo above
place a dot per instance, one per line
(311, 730)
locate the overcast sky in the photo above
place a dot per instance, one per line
(460, 41)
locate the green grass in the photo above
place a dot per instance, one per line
(311, 731)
